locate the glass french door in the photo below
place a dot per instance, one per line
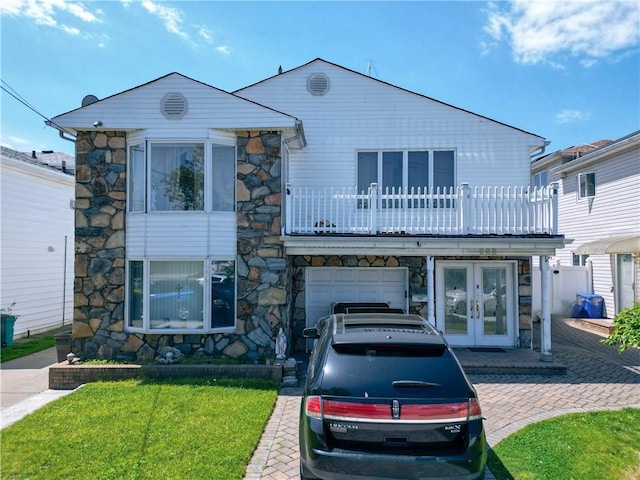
(476, 303)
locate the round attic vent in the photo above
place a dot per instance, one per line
(174, 106)
(318, 84)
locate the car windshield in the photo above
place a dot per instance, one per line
(370, 371)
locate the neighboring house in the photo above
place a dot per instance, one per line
(37, 196)
(599, 214)
(208, 220)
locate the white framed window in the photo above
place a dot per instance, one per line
(586, 185)
(540, 179)
(178, 176)
(406, 169)
(181, 295)
(579, 260)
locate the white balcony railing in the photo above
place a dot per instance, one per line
(460, 210)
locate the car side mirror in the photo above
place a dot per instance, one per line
(310, 333)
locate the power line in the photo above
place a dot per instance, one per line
(12, 92)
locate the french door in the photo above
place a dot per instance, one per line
(476, 303)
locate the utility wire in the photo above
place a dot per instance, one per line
(12, 92)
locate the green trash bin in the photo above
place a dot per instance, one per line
(8, 321)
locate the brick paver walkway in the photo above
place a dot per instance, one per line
(597, 378)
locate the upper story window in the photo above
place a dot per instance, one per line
(406, 169)
(586, 185)
(540, 179)
(181, 176)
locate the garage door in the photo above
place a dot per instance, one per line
(325, 285)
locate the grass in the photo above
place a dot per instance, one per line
(183, 428)
(594, 445)
(26, 347)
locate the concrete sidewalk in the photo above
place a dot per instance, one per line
(24, 385)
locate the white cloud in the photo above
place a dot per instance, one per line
(70, 30)
(47, 12)
(172, 17)
(14, 142)
(205, 34)
(78, 10)
(543, 31)
(224, 50)
(571, 116)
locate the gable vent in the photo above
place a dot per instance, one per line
(318, 84)
(174, 106)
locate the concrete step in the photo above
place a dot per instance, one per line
(601, 326)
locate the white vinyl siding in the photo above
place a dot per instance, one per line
(355, 114)
(615, 210)
(208, 107)
(181, 235)
(36, 216)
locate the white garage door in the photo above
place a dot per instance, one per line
(325, 285)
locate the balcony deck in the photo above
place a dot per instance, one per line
(458, 211)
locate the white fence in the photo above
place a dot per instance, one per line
(460, 210)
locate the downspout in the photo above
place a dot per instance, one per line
(540, 150)
(61, 132)
(299, 136)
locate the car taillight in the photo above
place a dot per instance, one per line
(475, 411)
(316, 407)
(313, 406)
(439, 412)
(356, 410)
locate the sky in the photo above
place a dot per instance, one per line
(566, 70)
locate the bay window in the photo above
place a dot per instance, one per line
(181, 176)
(180, 295)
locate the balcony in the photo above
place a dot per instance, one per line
(461, 210)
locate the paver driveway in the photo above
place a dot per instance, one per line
(597, 378)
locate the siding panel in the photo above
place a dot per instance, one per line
(181, 235)
(36, 217)
(361, 113)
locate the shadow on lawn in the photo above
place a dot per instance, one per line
(497, 467)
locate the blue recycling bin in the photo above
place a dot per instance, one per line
(592, 304)
(6, 333)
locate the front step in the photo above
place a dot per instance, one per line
(601, 326)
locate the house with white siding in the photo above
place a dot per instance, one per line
(37, 192)
(209, 220)
(599, 214)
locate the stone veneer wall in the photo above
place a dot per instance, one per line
(261, 266)
(417, 285)
(98, 313)
(262, 270)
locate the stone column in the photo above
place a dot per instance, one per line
(98, 321)
(262, 269)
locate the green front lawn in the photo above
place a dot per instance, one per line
(589, 446)
(186, 428)
(26, 347)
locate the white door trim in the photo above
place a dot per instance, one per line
(473, 304)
